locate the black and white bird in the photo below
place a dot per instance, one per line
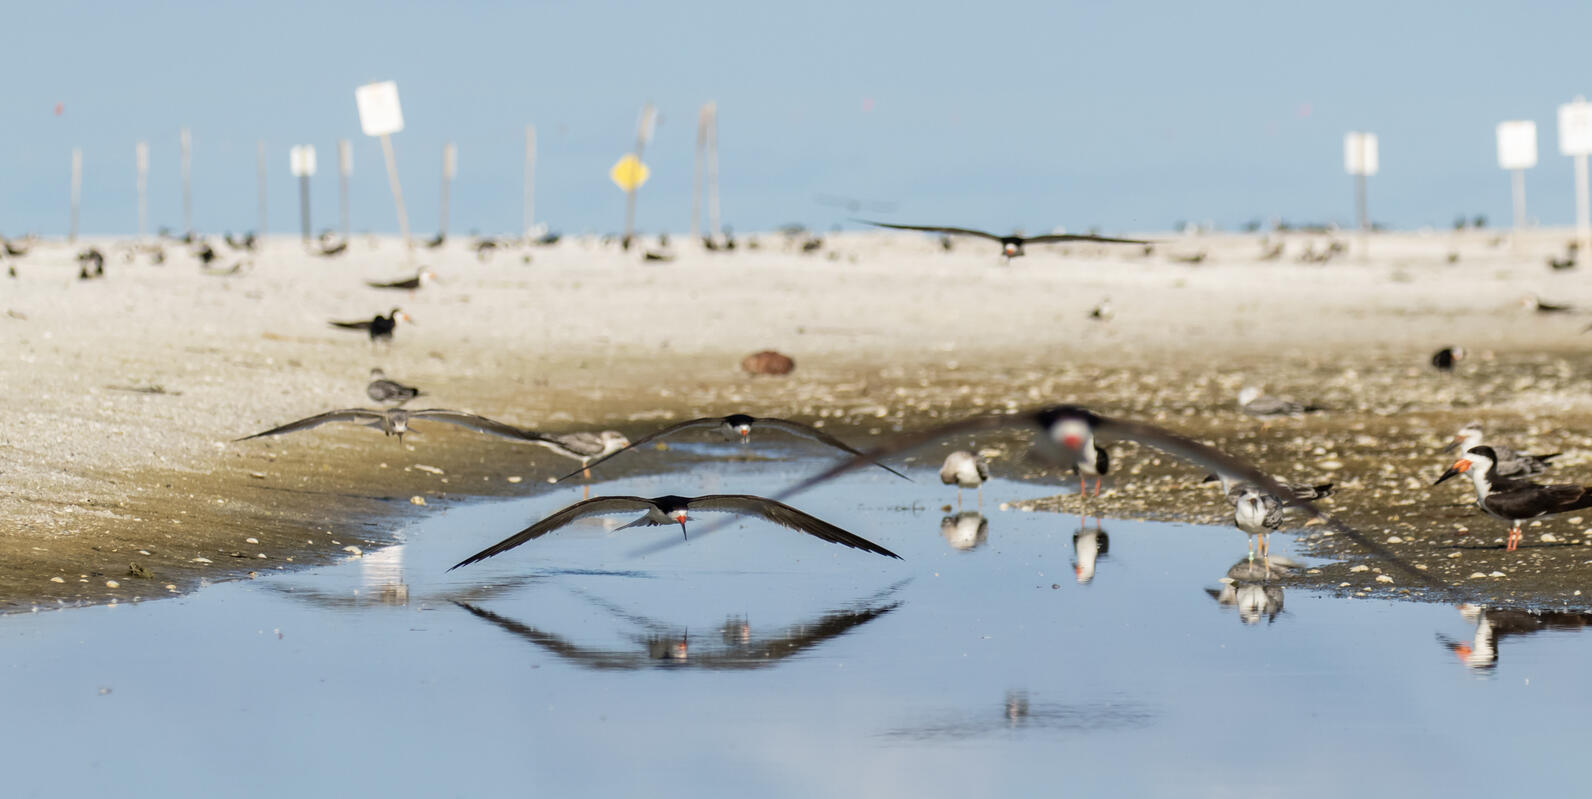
(1304, 491)
(581, 446)
(1103, 312)
(735, 427)
(667, 510)
(967, 530)
(396, 422)
(965, 469)
(1514, 501)
(380, 328)
(1507, 461)
(1253, 401)
(1011, 246)
(1445, 359)
(382, 389)
(421, 278)
(1258, 514)
(1088, 547)
(1532, 302)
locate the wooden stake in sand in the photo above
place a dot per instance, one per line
(706, 167)
(1517, 152)
(141, 162)
(1575, 140)
(77, 191)
(186, 139)
(301, 160)
(1360, 159)
(450, 167)
(345, 169)
(530, 179)
(380, 115)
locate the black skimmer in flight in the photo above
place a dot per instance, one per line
(667, 510)
(1444, 359)
(1067, 438)
(1088, 547)
(965, 531)
(1508, 462)
(584, 447)
(420, 278)
(380, 327)
(1514, 501)
(1011, 246)
(381, 389)
(396, 422)
(1260, 406)
(965, 470)
(736, 426)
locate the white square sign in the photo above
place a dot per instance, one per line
(379, 113)
(1517, 144)
(1359, 153)
(1575, 128)
(301, 160)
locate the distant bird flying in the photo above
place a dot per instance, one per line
(396, 422)
(1011, 246)
(667, 510)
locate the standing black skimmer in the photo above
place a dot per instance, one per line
(1532, 302)
(583, 447)
(380, 327)
(736, 426)
(421, 278)
(381, 389)
(1067, 436)
(671, 509)
(1102, 312)
(1514, 501)
(1088, 546)
(1257, 404)
(1011, 246)
(396, 422)
(205, 253)
(965, 470)
(967, 530)
(1508, 462)
(1444, 359)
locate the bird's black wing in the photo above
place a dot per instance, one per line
(409, 283)
(785, 516)
(560, 646)
(1050, 238)
(955, 231)
(364, 325)
(596, 506)
(480, 424)
(355, 415)
(814, 434)
(706, 421)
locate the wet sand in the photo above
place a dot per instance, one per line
(129, 389)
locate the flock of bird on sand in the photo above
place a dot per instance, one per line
(1070, 437)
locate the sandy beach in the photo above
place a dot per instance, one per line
(124, 481)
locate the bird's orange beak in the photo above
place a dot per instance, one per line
(1460, 466)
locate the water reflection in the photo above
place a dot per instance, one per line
(1018, 713)
(966, 531)
(382, 583)
(734, 645)
(1252, 590)
(1495, 624)
(1088, 546)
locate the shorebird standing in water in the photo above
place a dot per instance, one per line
(1514, 501)
(965, 470)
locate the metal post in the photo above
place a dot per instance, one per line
(1583, 224)
(187, 181)
(259, 158)
(643, 132)
(696, 175)
(713, 170)
(450, 164)
(345, 167)
(77, 191)
(1518, 179)
(141, 160)
(530, 179)
(397, 193)
(1364, 217)
(304, 206)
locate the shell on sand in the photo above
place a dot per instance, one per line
(768, 362)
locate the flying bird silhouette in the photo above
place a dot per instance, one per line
(1011, 246)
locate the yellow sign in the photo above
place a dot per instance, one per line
(629, 173)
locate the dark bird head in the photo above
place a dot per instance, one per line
(1482, 457)
(738, 425)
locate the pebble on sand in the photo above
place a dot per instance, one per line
(768, 362)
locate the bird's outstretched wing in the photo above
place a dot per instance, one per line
(785, 516)
(706, 421)
(596, 506)
(913, 442)
(955, 231)
(354, 415)
(364, 325)
(814, 434)
(480, 424)
(407, 283)
(1049, 238)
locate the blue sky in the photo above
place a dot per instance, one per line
(1032, 115)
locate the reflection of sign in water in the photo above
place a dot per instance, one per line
(629, 173)
(1360, 153)
(379, 112)
(1575, 128)
(1517, 144)
(383, 572)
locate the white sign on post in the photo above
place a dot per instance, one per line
(1517, 144)
(1359, 154)
(1575, 128)
(379, 112)
(301, 160)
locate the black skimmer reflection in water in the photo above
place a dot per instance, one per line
(965, 531)
(965, 470)
(396, 422)
(668, 510)
(380, 328)
(1011, 246)
(1494, 624)
(735, 427)
(382, 389)
(1511, 500)
(1507, 461)
(1088, 546)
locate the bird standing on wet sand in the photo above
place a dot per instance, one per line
(1257, 513)
(1444, 359)
(380, 328)
(382, 389)
(1260, 406)
(1011, 246)
(965, 470)
(396, 422)
(736, 426)
(421, 278)
(1514, 501)
(1507, 462)
(672, 509)
(1306, 491)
